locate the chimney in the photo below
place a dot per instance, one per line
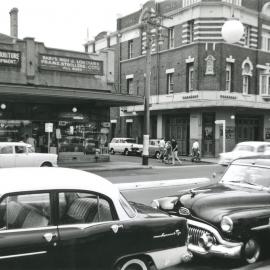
(14, 22)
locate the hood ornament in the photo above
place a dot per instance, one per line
(197, 191)
(184, 211)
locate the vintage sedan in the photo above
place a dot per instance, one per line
(154, 148)
(59, 218)
(20, 154)
(244, 149)
(230, 218)
(125, 146)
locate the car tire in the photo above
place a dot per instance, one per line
(126, 152)
(133, 264)
(112, 151)
(157, 155)
(251, 251)
(46, 164)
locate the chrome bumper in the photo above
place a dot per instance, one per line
(216, 250)
(220, 247)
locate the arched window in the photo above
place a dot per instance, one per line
(247, 69)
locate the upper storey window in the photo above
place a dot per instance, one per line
(190, 31)
(171, 38)
(247, 69)
(130, 49)
(247, 35)
(266, 41)
(187, 3)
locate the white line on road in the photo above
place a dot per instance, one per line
(161, 183)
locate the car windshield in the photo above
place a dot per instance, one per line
(130, 140)
(244, 147)
(243, 174)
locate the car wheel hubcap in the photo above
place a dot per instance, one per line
(134, 264)
(252, 251)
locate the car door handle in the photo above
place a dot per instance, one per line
(116, 227)
(49, 236)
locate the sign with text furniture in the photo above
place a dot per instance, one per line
(70, 64)
(10, 58)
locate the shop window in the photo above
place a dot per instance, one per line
(171, 38)
(129, 130)
(170, 83)
(113, 128)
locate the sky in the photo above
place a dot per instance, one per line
(64, 24)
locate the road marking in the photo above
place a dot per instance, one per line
(161, 183)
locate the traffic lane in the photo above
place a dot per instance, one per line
(177, 172)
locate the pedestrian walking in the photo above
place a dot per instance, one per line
(175, 152)
(162, 149)
(168, 152)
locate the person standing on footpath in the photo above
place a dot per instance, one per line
(175, 152)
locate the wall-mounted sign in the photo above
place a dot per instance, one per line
(70, 64)
(10, 58)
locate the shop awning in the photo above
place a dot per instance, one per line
(32, 93)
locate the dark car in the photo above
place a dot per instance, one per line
(230, 218)
(58, 218)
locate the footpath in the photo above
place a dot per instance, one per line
(131, 165)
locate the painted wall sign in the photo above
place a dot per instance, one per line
(70, 64)
(10, 58)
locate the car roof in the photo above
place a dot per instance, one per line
(14, 143)
(253, 143)
(123, 138)
(258, 160)
(54, 178)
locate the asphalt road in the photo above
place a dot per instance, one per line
(188, 170)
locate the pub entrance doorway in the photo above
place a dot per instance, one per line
(178, 128)
(208, 136)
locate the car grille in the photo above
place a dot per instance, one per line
(194, 233)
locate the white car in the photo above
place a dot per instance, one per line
(244, 149)
(125, 146)
(20, 154)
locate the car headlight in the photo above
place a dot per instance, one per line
(155, 204)
(226, 224)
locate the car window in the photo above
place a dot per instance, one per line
(244, 147)
(80, 208)
(152, 143)
(25, 211)
(20, 149)
(6, 150)
(261, 148)
(130, 141)
(30, 149)
(127, 207)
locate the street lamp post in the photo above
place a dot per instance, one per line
(151, 24)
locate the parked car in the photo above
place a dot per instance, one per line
(230, 218)
(125, 146)
(19, 154)
(59, 218)
(154, 148)
(244, 149)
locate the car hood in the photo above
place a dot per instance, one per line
(212, 203)
(147, 211)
